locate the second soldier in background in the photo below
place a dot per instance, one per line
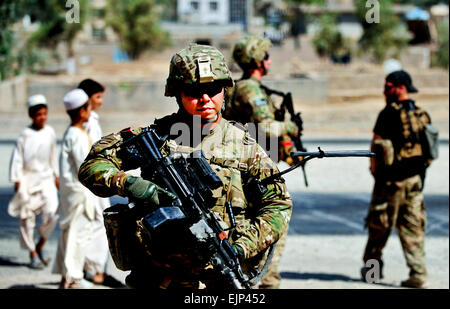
(250, 102)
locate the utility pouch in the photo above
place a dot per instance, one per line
(384, 151)
(121, 232)
(285, 147)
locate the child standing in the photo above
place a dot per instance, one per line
(98, 252)
(77, 202)
(34, 172)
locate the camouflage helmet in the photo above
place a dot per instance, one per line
(250, 49)
(196, 64)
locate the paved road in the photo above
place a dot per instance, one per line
(326, 235)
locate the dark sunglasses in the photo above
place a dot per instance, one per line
(388, 87)
(197, 91)
(266, 56)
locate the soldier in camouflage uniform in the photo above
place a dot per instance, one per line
(250, 103)
(198, 79)
(397, 198)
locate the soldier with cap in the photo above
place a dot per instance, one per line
(399, 169)
(198, 79)
(250, 102)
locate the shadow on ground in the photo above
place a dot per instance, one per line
(324, 277)
(6, 261)
(344, 213)
(32, 286)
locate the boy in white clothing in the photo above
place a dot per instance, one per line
(77, 202)
(34, 172)
(98, 252)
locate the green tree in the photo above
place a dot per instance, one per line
(10, 12)
(382, 38)
(328, 40)
(422, 3)
(137, 24)
(440, 59)
(21, 52)
(57, 24)
(168, 8)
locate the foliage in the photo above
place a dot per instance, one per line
(54, 28)
(440, 59)
(316, 2)
(169, 9)
(422, 3)
(381, 39)
(136, 22)
(10, 12)
(19, 52)
(328, 40)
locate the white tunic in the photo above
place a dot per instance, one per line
(94, 131)
(98, 251)
(75, 147)
(93, 128)
(77, 206)
(34, 165)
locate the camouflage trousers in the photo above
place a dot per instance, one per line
(399, 204)
(272, 279)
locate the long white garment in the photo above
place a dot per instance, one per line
(34, 165)
(98, 251)
(77, 205)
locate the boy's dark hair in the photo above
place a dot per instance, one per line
(74, 113)
(33, 109)
(91, 87)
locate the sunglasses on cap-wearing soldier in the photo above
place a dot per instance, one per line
(388, 86)
(198, 90)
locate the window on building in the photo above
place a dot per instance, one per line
(194, 5)
(213, 5)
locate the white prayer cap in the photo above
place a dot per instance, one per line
(74, 99)
(391, 65)
(37, 99)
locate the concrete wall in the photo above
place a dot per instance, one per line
(13, 94)
(140, 95)
(135, 96)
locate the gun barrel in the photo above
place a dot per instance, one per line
(331, 154)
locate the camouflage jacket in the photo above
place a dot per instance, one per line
(234, 156)
(249, 103)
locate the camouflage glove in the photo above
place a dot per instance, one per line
(239, 252)
(138, 188)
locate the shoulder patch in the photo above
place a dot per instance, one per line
(260, 102)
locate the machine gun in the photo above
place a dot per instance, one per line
(288, 105)
(259, 187)
(186, 224)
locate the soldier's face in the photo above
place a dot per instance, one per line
(205, 102)
(390, 92)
